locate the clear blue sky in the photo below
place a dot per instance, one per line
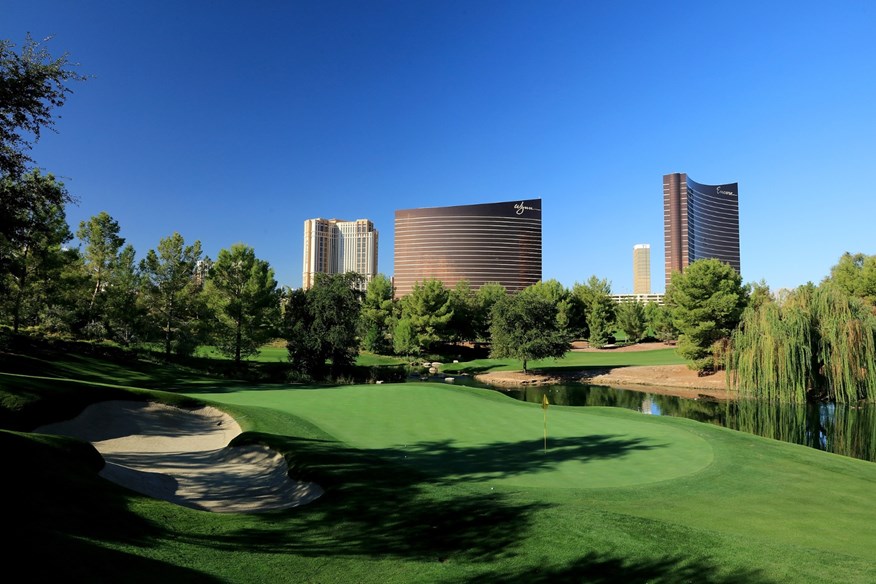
(234, 121)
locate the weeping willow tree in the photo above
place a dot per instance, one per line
(818, 343)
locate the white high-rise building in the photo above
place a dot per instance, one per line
(642, 268)
(333, 246)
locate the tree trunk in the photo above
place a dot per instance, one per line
(167, 335)
(22, 282)
(524, 365)
(237, 338)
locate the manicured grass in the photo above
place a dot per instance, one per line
(434, 483)
(277, 353)
(573, 360)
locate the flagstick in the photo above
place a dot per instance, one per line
(544, 406)
(545, 430)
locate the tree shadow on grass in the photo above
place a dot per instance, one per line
(596, 568)
(57, 508)
(425, 507)
(448, 462)
(374, 507)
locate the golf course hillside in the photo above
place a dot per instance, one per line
(428, 482)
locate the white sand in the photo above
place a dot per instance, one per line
(183, 456)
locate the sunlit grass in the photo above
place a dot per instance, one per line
(433, 483)
(573, 360)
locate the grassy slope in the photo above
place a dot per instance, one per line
(574, 360)
(475, 499)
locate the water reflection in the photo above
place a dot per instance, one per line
(849, 430)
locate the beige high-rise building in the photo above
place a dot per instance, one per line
(333, 246)
(642, 268)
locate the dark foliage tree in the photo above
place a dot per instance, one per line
(321, 324)
(171, 294)
(124, 314)
(706, 300)
(594, 299)
(428, 312)
(100, 236)
(660, 321)
(485, 298)
(631, 320)
(31, 253)
(856, 275)
(525, 327)
(32, 85)
(244, 301)
(463, 302)
(375, 320)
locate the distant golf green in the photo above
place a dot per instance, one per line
(457, 433)
(573, 360)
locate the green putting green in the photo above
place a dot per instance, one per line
(466, 434)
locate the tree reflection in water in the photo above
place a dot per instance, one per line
(849, 430)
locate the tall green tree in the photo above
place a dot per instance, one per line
(485, 298)
(171, 293)
(124, 314)
(856, 275)
(464, 304)
(554, 292)
(594, 297)
(321, 324)
(525, 327)
(631, 320)
(242, 293)
(706, 300)
(428, 311)
(31, 244)
(660, 321)
(100, 235)
(33, 84)
(375, 319)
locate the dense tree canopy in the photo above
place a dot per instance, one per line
(816, 343)
(426, 313)
(597, 307)
(375, 320)
(631, 320)
(525, 327)
(320, 325)
(856, 275)
(706, 301)
(100, 235)
(171, 294)
(245, 302)
(34, 229)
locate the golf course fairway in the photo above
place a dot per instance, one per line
(475, 435)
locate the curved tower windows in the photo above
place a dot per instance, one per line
(699, 221)
(494, 242)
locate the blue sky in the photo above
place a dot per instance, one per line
(236, 121)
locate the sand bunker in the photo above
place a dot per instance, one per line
(182, 456)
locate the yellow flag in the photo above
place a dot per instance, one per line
(544, 401)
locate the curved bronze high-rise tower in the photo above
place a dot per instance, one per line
(493, 242)
(699, 221)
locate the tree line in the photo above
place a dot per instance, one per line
(813, 341)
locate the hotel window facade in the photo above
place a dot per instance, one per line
(642, 268)
(333, 246)
(699, 222)
(486, 243)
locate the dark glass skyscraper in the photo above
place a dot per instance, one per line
(699, 222)
(493, 242)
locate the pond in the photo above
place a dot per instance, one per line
(849, 430)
